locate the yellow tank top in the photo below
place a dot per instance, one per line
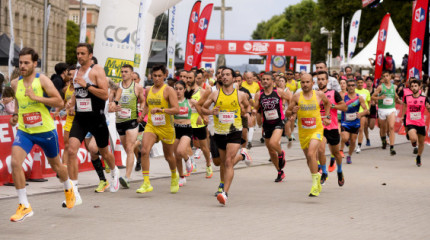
(195, 115)
(157, 100)
(253, 88)
(309, 116)
(229, 117)
(292, 86)
(33, 116)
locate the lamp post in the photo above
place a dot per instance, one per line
(329, 34)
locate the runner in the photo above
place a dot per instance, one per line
(137, 145)
(245, 129)
(371, 118)
(331, 132)
(332, 83)
(351, 117)
(270, 101)
(365, 94)
(413, 112)
(227, 112)
(88, 102)
(288, 130)
(125, 104)
(343, 92)
(35, 126)
(307, 106)
(160, 105)
(386, 96)
(253, 88)
(292, 85)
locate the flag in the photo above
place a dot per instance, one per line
(201, 32)
(291, 67)
(342, 45)
(171, 42)
(380, 49)
(83, 33)
(140, 36)
(353, 34)
(416, 41)
(12, 40)
(191, 36)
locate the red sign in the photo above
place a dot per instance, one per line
(382, 40)
(191, 36)
(201, 32)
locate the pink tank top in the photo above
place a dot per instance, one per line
(415, 108)
(333, 112)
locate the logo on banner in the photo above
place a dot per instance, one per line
(379, 60)
(382, 35)
(413, 72)
(350, 54)
(420, 14)
(192, 38)
(171, 50)
(353, 39)
(190, 60)
(256, 47)
(199, 47)
(203, 24)
(232, 47)
(416, 45)
(116, 34)
(247, 46)
(194, 17)
(280, 48)
(355, 24)
(279, 61)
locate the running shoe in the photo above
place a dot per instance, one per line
(197, 153)
(332, 165)
(348, 160)
(138, 166)
(281, 161)
(189, 166)
(78, 200)
(415, 150)
(247, 159)
(292, 135)
(281, 176)
(145, 188)
(358, 149)
(107, 169)
(384, 144)
(174, 185)
(114, 186)
(22, 213)
(368, 142)
(194, 164)
(209, 172)
(125, 183)
(262, 140)
(249, 146)
(220, 190)
(314, 191)
(418, 161)
(324, 177)
(182, 181)
(340, 179)
(102, 186)
(392, 152)
(222, 198)
(342, 154)
(70, 197)
(187, 174)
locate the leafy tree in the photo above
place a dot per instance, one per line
(72, 40)
(161, 25)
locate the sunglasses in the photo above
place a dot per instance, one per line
(351, 85)
(289, 74)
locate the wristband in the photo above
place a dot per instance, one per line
(116, 102)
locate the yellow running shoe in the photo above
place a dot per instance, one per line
(21, 213)
(70, 197)
(174, 186)
(315, 190)
(145, 187)
(209, 172)
(102, 186)
(107, 169)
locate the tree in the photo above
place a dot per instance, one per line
(72, 40)
(161, 26)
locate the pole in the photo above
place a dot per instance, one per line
(80, 12)
(45, 28)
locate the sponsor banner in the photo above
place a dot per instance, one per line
(171, 42)
(342, 44)
(191, 36)
(113, 66)
(141, 31)
(353, 33)
(382, 40)
(83, 32)
(201, 32)
(418, 28)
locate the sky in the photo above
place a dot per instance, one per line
(239, 23)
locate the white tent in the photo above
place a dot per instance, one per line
(395, 46)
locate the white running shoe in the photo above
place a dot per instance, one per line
(248, 159)
(114, 184)
(197, 153)
(222, 198)
(189, 165)
(182, 181)
(358, 149)
(194, 165)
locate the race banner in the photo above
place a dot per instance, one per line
(140, 36)
(342, 44)
(201, 32)
(353, 34)
(416, 41)
(171, 42)
(83, 32)
(191, 36)
(382, 40)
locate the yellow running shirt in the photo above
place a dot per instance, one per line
(229, 117)
(292, 86)
(309, 119)
(366, 96)
(157, 100)
(253, 88)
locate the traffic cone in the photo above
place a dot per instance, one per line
(36, 170)
(10, 181)
(118, 155)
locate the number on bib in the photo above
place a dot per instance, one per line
(309, 123)
(226, 117)
(84, 105)
(32, 120)
(271, 114)
(158, 119)
(415, 115)
(124, 113)
(350, 116)
(388, 101)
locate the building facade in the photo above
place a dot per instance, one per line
(92, 17)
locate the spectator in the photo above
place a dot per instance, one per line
(58, 77)
(7, 102)
(405, 64)
(389, 64)
(148, 82)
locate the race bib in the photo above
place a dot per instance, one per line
(271, 114)
(84, 105)
(388, 101)
(158, 119)
(124, 113)
(32, 120)
(226, 117)
(193, 110)
(253, 96)
(350, 116)
(183, 112)
(309, 123)
(415, 115)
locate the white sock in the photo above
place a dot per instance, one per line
(22, 196)
(250, 134)
(67, 184)
(113, 171)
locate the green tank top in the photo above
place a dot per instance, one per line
(128, 104)
(195, 115)
(33, 116)
(184, 110)
(388, 102)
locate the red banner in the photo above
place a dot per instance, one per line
(416, 42)
(191, 36)
(202, 30)
(291, 67)
(382, 40)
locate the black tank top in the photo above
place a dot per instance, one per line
(271, 106)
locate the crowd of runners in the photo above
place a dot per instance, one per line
(214, 115)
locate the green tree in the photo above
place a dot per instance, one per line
(161, 26)
(72, 40)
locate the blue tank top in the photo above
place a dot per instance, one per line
(349, 118)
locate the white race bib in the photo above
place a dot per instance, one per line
(124, 113)
(84, 105)
(388, 101)
(415, 115)
(271, 114)
(226, 117)
(350, 116)
(158, 119)
(32, 120)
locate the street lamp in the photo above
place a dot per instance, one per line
(329, 34)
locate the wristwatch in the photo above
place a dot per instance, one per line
(88, 85)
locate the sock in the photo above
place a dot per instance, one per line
(67, 184)
(391, 147)
(331, 156)
(339, 168)
(324, 168)
(221, 184)
(22, 196)
(314, 179)
(384, 139)
(174, 173)
(414, 144)
(145, 176)
(418, 157)
(97, 164)
(250, 134)
(359, 145)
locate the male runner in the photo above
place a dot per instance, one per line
(160, 105)
(253, 88)
(413, 112)
(270, 101)
(125, 103)
(365, 94)
(245, 127)
(35, 126)
(331, 132)
(306, 104)
(227, 112)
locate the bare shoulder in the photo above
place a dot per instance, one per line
(14, 83)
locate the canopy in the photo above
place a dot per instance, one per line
(4, 51)
(160, 58)
(395, 46)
